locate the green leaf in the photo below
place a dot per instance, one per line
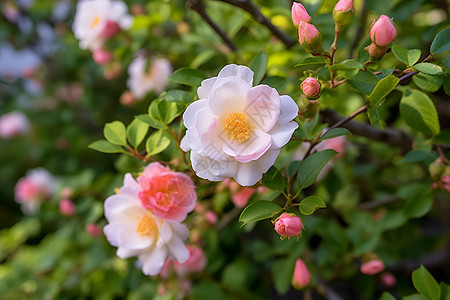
(150, 121)
(311, 61)
(157, 142)
(445, 291)
(413, 297)
(430, 69)
(416, 156)
(136, 132)
(386, 296)
(259, 66)
(105, 147)
(363, 82)
(335, 132)
(425, 284)
(310, 168)
(164, 112)
(349, 64)
(381, 90)
(188, 76)
(259, 210)
(115, 133)
(417, 109)
(375, 119)
(408, 57)
(418, 198)
(177, 96)
(441, 42)
(310, 204)
(427, 82)
(273, 179)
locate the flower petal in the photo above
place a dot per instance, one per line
(262, 107)
(178, 250)
(190, 112)
(204, 90)
(152, 262)
(126, 253)
(252, 149)
(243, 72)
(228, 96)
(282, 133)
(211, 169)
(248, 173)
(289, 109)
(267, 160)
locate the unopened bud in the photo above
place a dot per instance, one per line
(372, 267)
(311, 88)
(93, 229)
(66, 207)
(383, 31)
(299, 13)
(388, 279)
(127, 98)
(302, 276)
(310, 39)
(376, 52)
(110, 29)
(211, 217)
(288, 225)
(102, 57)
(343, 13)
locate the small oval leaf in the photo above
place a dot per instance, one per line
(259, 210)
(115, 133)
(310, 204)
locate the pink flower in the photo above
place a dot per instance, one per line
(66, 207)
(110, 29)
(337, 144)
(372, 267)
(102, 57)
(211, 217)
(169, 195)
(388, 279)
(288, 225)
(195, 263)
(301, 277)
(299, 13)
(311, 88)
(344, 5)
(240, 199)
(383, 31)
(93, 229)
(13, 124)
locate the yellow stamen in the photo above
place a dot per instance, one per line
(95, 22)
(237, 127)
(147, 226)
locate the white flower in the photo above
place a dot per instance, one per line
(236, 130)
(146, 76)
(97, 20)
(13, 124)
(37, 186)
(137, 232)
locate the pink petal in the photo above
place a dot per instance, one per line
(252, 149)
(262, 107)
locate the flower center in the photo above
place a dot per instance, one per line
(146, 226)
(95, 22)
(237, 127)
(163, 200)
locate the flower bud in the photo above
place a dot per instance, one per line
(127, 98)
(299, 13)
(310, 39)
(388, 280)
(211, 217)
(66, 207)
(93, 229)
(343, 13)
(372, 267)
(375, 52)
(301, 277)
(383, 31)
(102, 57)
(110, 29)
(288, 225)
(311, 88)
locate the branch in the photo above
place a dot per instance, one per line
(256, 13)
(199, 7)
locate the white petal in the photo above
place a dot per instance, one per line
(282, 133)
(191, 111)
(210, 169)
(115, 206)
(252, 149)
(181, 230)
(267, 160)
(204, 90)
(228, 96)
(289, 109)
(152, 262)
(126, 253)
(184, 145)
(248, 174)
(243, 72)
(262, 106)
(178, 250)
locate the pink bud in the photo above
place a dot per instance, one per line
(288, 225)
(66, 192)
(383, 31)
(311, 88)
(211, 217)
(299, 13)
(110, 29)
(301, 277)
(66, 207)
(388, 279)
(372, 267)
(127, 98)
(102, 57)
(195, 263)
(309, 38)
(240, 199)
(344, 5)
(93, 229)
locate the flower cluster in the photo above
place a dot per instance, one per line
(144, 218)
(236, 130)
(308, 35)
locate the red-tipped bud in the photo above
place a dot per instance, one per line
(383, 31)
(102, 57)
(310, 39)
(288, 225)
(343, 13)
(372, 267)
(66, 207)
(301, 277)
(299, 13)
(311, 88)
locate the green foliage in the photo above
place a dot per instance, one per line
(187, 76)
(259, 210)
(408, 57)
(157, 142)
(335, 132)
(273, 179)
(115, 133)
(259, 66)
(310, 168)
(383, 88)
(441, 42)
(310, 204)
(425, 284)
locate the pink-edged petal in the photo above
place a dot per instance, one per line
(248, 174)
(252, 149)
(210, 169)
(204, 90)
(126, 253)
(178, 250)
(228, 96)
(152, 262)
(289, 109)
(190, 112)
(267, 160)
(243, 72)
(282, 133)
(262, 107)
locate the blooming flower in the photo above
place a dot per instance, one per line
(37, 186)
(372, 267)
(302, 276)
(98, 20)
(135, 225)
(143, 80)
(13, 124)
(236, 130)
(288, 225)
